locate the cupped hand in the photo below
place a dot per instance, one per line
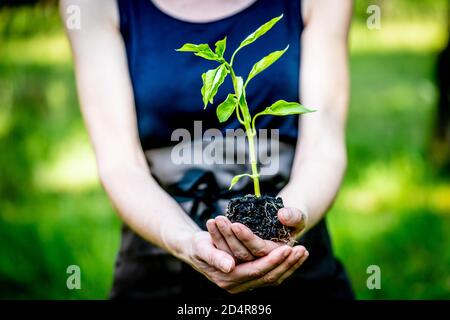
(240, 242)
(220, 267)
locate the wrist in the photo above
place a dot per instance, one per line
(179, 242)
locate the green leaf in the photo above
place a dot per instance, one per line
(237, 178)
(202, 50)
(259, 32)
(226, 108)
(203, 90)
(283, 108)
(221, 45)
(239, 86)
(264, 63)
(189, 47)
(212, 80)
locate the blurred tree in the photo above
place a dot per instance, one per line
(16, 3)
(441, 138)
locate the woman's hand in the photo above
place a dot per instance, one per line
(219, 266)
(240, 242)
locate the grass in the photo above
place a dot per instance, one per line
(393, 210)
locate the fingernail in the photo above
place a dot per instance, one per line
(220, 223)
(226, 266)
(286, 253)
(286, 214)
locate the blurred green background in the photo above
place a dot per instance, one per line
(393, 210)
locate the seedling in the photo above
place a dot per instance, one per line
(251, 210)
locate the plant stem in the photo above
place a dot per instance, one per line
(249, 130)
(233, 78)
(234, 54)
(253, 160)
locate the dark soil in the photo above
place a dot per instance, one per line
(260, 215)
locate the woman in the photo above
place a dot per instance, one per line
(135, 90)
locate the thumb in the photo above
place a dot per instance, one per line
(292, 217)
(218, 259)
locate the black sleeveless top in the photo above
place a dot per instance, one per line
(166, 83)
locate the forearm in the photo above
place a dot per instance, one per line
(320, 160)
(321, 157)
(147, 209)
(316, 179)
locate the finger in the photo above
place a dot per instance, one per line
(217, 237)
(288, 273)
(214, 257)
(237, 248)
(257, 246)
(273, 277)
(292, 217)
(259, 267)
